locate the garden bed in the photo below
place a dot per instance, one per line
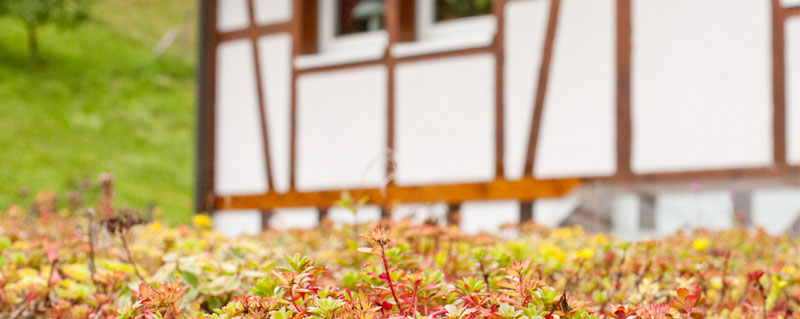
(55, 266)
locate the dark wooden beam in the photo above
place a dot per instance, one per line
(262, 102)
(304, 26)
(697, 176)
(524, 189)
(257, 31)
(791, 12)
(406, 15)
(541, 86)
(453, 215)
(498, 8)
(778, 86)
(206, 95)
(526, 212)
(623, 87)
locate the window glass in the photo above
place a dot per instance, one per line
(454, 9)
(359, 16)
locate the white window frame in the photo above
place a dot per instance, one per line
(450, 35)
(340, 49)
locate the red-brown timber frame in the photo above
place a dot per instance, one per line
(525, 189)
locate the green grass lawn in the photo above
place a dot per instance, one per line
(101, 101)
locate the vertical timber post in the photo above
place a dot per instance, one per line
(204, 147)
(453, 217)
(778, 85)
(624, 87)
(322, 214)
(526, 213)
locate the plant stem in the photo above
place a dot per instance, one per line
(92, 267)
(389, 278)
(130, 256)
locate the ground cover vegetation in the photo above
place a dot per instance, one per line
(95, 96)
(108, 262)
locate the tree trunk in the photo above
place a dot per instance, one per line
(33, 39)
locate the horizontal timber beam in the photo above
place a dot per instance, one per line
(792, 12)
(700, 175)
(255, 32)
(524, 189)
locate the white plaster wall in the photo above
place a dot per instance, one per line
(551, 211)
(701, 84)
(365, 214)
(418, 213)
(776, 209)
(525, 26)
(341, 129)
(239, 162)
(275, 53)
(272, 11)
(625, 218)
(236, 223)
(792, 54)
(790, 3)
(444, 120)
(687, 211)
(578, 128)
(488, 216)
(288, 218)
(232, 15)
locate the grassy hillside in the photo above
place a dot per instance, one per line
(101, 101)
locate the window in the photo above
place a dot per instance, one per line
(437, 18)
(456, 9)
(353, 30)
(351, 24)
(355, 16)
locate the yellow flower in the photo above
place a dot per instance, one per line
(700, 244)
(202, 221)
(154, 227)
(554, 252)
(78, 272)
(585, 253)
(599, 239)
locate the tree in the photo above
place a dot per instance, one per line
(35, 13)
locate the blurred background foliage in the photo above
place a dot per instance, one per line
(99, 98)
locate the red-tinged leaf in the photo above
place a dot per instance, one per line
(52, 256)
(755, 275)
(387, 305)
(691, 300)
(682, 293)
(383, 276)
